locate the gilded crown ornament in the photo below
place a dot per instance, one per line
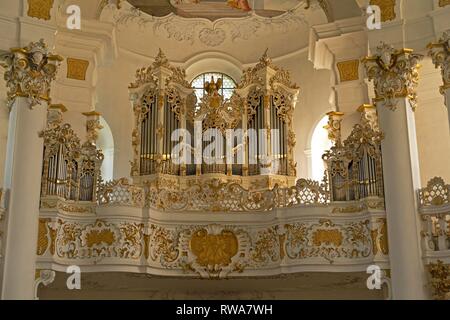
(29, 72)
(395, 75)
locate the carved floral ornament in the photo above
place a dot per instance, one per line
(440, 53)
(440, 280)
(214, 250)
(213, 34)
(395, 75)
(29, 72)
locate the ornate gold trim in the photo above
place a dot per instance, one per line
(348, 70)
(387, 9)
(77, 68)
(40, 9)
(440, 279)
(395, 75)
(29, 72)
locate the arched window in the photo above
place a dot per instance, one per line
(105, 143)
(228, 84)
(319, 144)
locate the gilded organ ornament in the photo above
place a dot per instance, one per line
(395, 75)
(29, 72)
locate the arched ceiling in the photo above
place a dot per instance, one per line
(283, 26)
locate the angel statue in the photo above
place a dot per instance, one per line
(212, 87)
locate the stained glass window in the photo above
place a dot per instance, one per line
(228, 84)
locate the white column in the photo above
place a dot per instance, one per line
(395, 74)
(23, 182)
(28, 77)
(401, 180)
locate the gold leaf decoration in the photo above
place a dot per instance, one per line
(214, 249)
(43, 242)
(348, 70)
(40, 9)
(327, 237)
(387, 9)
(77, 68)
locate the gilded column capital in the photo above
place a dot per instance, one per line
(92, 127)
(440, 54)
(395, 75)
(29, 72)
(334, 126)
(369, 117)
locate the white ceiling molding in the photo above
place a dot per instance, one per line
(206, 32)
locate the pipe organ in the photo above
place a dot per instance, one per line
(246, 138)
(70, 170)
(354, 167)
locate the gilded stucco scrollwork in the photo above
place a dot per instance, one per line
(99, 240)
(395, 75)
(213, 251)
(440, 280)
(328, 240)
(214, 33)
(29, 72)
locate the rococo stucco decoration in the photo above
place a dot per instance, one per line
(395, 75)
(209, 33)
(29, 72)
(40, 9)
(440, 53)
(440, 280)
(213, 250)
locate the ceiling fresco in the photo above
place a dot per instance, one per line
(216, 9)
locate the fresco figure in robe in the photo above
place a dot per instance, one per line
(240, 4)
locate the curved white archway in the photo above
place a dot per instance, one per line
(105, 142)
(319, 144)
(213, 62)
